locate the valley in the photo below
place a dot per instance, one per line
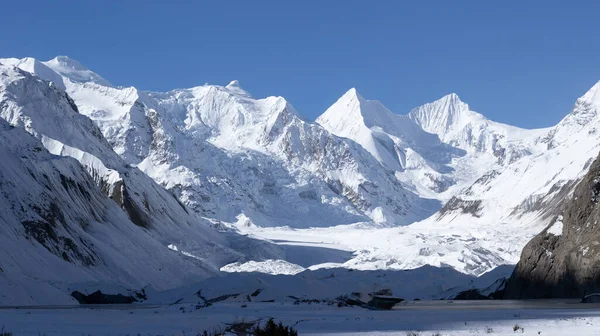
(165, 190)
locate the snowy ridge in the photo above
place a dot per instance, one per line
(444, 115)
(363, 120)
(467, 192)
(93, 219)
(194, 142)
(34, 66)
(487, 223)
(47, 247)
(74, 71)
(455, 124)
(419, 159)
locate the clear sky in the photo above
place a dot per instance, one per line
(518, 62)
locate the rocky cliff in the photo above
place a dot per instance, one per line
(564, 259)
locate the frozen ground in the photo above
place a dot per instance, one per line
(555, 319)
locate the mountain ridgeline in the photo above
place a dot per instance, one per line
(116, 186)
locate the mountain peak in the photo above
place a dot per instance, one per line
(75, 71)
(444, 114)
(235, 87)
(351, 94)
(448, 103)
(452, 98)
(346, 111)
(67, 62)
(35, 67)
(353, 116)
(584, 112)
(352, 107)
(593, 94)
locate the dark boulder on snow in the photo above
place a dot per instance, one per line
(471, 294)
(383, 302)
(98, 297)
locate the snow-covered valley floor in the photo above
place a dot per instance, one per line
(307, 319)
(464, 245)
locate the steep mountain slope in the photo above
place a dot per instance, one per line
(243, 160)
(97, 218)
(438, 148)
(455, 124)
(420, 160)
(59, 230)
(561, 156)
(486, 222)
(563, 260)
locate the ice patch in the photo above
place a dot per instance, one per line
(378, 215)
(556, 228)
(270, 266)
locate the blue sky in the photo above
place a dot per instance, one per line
(518, 62)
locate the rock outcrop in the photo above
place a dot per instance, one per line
(563, 261)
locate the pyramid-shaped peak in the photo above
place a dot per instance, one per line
(451, 97)
(450, 101)
(449, 104)
(444, 114)
(344, 112)
(351, 110)
(351, 94)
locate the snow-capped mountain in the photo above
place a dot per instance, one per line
(562, 260)
(487, 222)
(467, 192)
(74, 212)
(239, 159)
(419, 159)
(437, 149)
(455, 124)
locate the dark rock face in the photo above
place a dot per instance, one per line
(466, 207)
(567, 264)
(471, 294)
(383, 302)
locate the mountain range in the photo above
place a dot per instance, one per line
(115, 186)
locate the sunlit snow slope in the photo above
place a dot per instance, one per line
(239, 159)
(72, 212)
